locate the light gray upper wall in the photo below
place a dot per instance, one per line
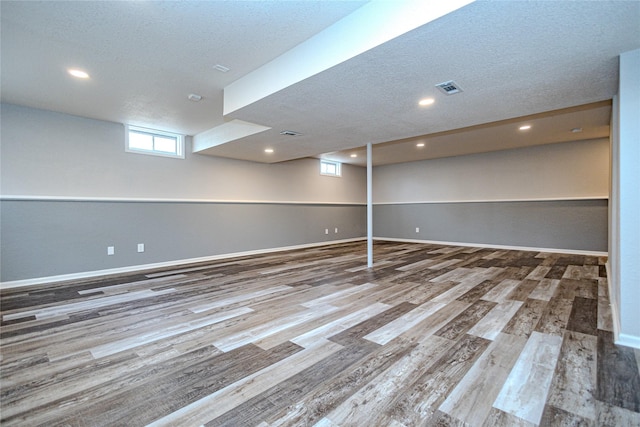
(555, 171)
(51, 154)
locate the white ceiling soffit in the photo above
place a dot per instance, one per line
(227, 132)
(371, 25)
(513, 59)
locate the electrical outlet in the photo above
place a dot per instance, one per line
(417, 229)
(140, 247)
(111, 250)
(336, 230)
(326, 231)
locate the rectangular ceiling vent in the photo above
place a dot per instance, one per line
(449, 88)
(290, 133)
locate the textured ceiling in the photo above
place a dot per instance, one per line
(584, 122)
(514, 60)
(145, 57)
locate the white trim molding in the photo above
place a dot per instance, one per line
(540, 199)
(41, 198)
(20, 198)
(615, 312)
(628, 341)
(618, 338)
(488, 246)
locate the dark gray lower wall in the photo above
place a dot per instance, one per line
(558, 224)
(49, 238)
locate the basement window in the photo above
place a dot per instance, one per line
(329, 168)
(154, 142)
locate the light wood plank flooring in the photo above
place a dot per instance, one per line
(432, 335)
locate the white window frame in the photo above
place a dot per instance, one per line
(337, 165)
(179, 154)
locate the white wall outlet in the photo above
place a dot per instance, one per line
(140, 247)
(417, 229)
(326, 231)
(336, 230)
(111, 250)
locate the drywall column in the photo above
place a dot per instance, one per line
(613, 262)
(628, 203)
(369, 207)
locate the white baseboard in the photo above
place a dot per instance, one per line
(615, 313)
(619, 338)
(628, 341)
(505, 247)
(134, 268)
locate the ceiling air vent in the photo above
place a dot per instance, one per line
(290, 133)
(449, 88)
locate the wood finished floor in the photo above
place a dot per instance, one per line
(433, 335)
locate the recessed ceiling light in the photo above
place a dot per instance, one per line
(354, 156)
(426, 101)
(268, 150)
(420, 144)
(525, 127)
(576, 130)
(78, 73)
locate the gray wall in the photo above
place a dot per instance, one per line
(47, 238)
(69, 190)
(47, 154)
(551, 196)
(564, 224)
(563, 171)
